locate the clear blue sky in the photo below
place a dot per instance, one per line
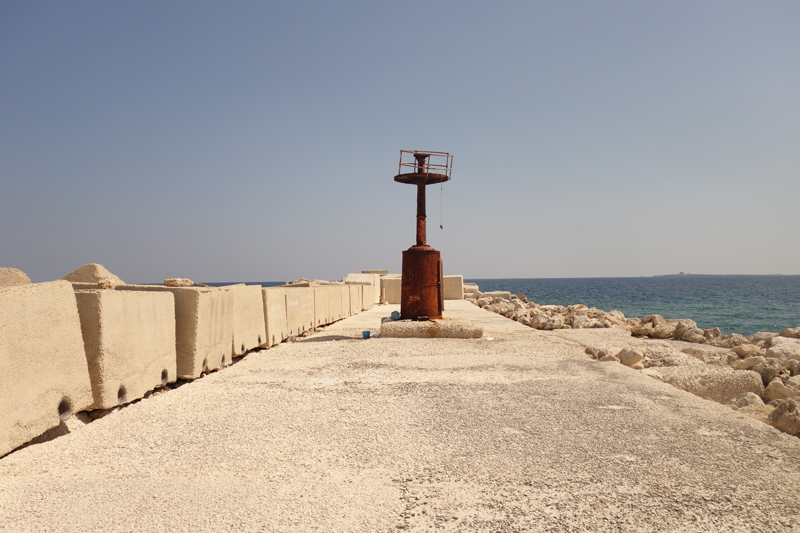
(256, 141)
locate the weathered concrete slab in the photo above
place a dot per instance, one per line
(44, 376)
(321, 307)
(391, 287)
(274, 301)
(130, 343)
(369, 296)
(355, 299)
(249, 326)
(453, 287)
(299, 309)
(203, 327)
(334, 303)
(345, 299)
(380, 272)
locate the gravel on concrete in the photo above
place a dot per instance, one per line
(516, 431)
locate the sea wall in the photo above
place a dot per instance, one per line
(91, 343)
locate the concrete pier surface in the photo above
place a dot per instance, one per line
(335, 433)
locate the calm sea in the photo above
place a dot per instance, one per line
(734, 304)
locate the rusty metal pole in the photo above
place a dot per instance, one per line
(422, 236)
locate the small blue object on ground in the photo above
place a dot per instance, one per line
(395, 315)
(366, 334)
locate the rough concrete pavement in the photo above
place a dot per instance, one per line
(335, 433)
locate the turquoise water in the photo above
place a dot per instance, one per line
(734, 304)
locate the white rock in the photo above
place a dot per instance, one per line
(629, 356)
(784, 351)
(748, 363)
(697, 353)
(717, 383)
(793, 333)
(776, 390)
(745, 350)
(580, 322)
(746, 399)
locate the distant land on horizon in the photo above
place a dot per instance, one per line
(688, 274)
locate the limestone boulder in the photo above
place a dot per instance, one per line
(786, 416)
(746, 399)
(761, 338)
(716, 383)
(793, 333)
(769, 370)
(728, 341)
(784, 352)
(749, 362)
(11, 277)
(92, 273)
(745, 350)
(687, 330)
(776, 390)
(630, 356)
(697, 353)
(712, 333)
(580, 322)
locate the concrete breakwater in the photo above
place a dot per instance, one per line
(89, 343)
(758, 375)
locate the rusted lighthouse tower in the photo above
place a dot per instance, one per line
(422, 291)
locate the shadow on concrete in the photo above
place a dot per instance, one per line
(327, 338)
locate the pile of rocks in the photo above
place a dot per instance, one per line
(758, 375)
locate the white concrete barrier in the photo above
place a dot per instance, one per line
(321, 308)
(249, 326)
(334, 303)
(44, 377)
(345, 299)
(356, 299)
(453, 287)
(203, 326)
(299, 309)
(274, 300)
(130, 343)
(391, 287)
(368, 300)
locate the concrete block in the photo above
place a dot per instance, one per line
(368, 296)
(249, 326)
(299, 309)
(379, 272)
(355, 299)
(392, 288)
(45, 377)
(453, 287)
(130, 343)
(274, 300)
(334, 303)
(345, 299)
(359, 279)
(203, 326)
(321, 312)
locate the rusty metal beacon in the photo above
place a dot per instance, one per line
(421, 287)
